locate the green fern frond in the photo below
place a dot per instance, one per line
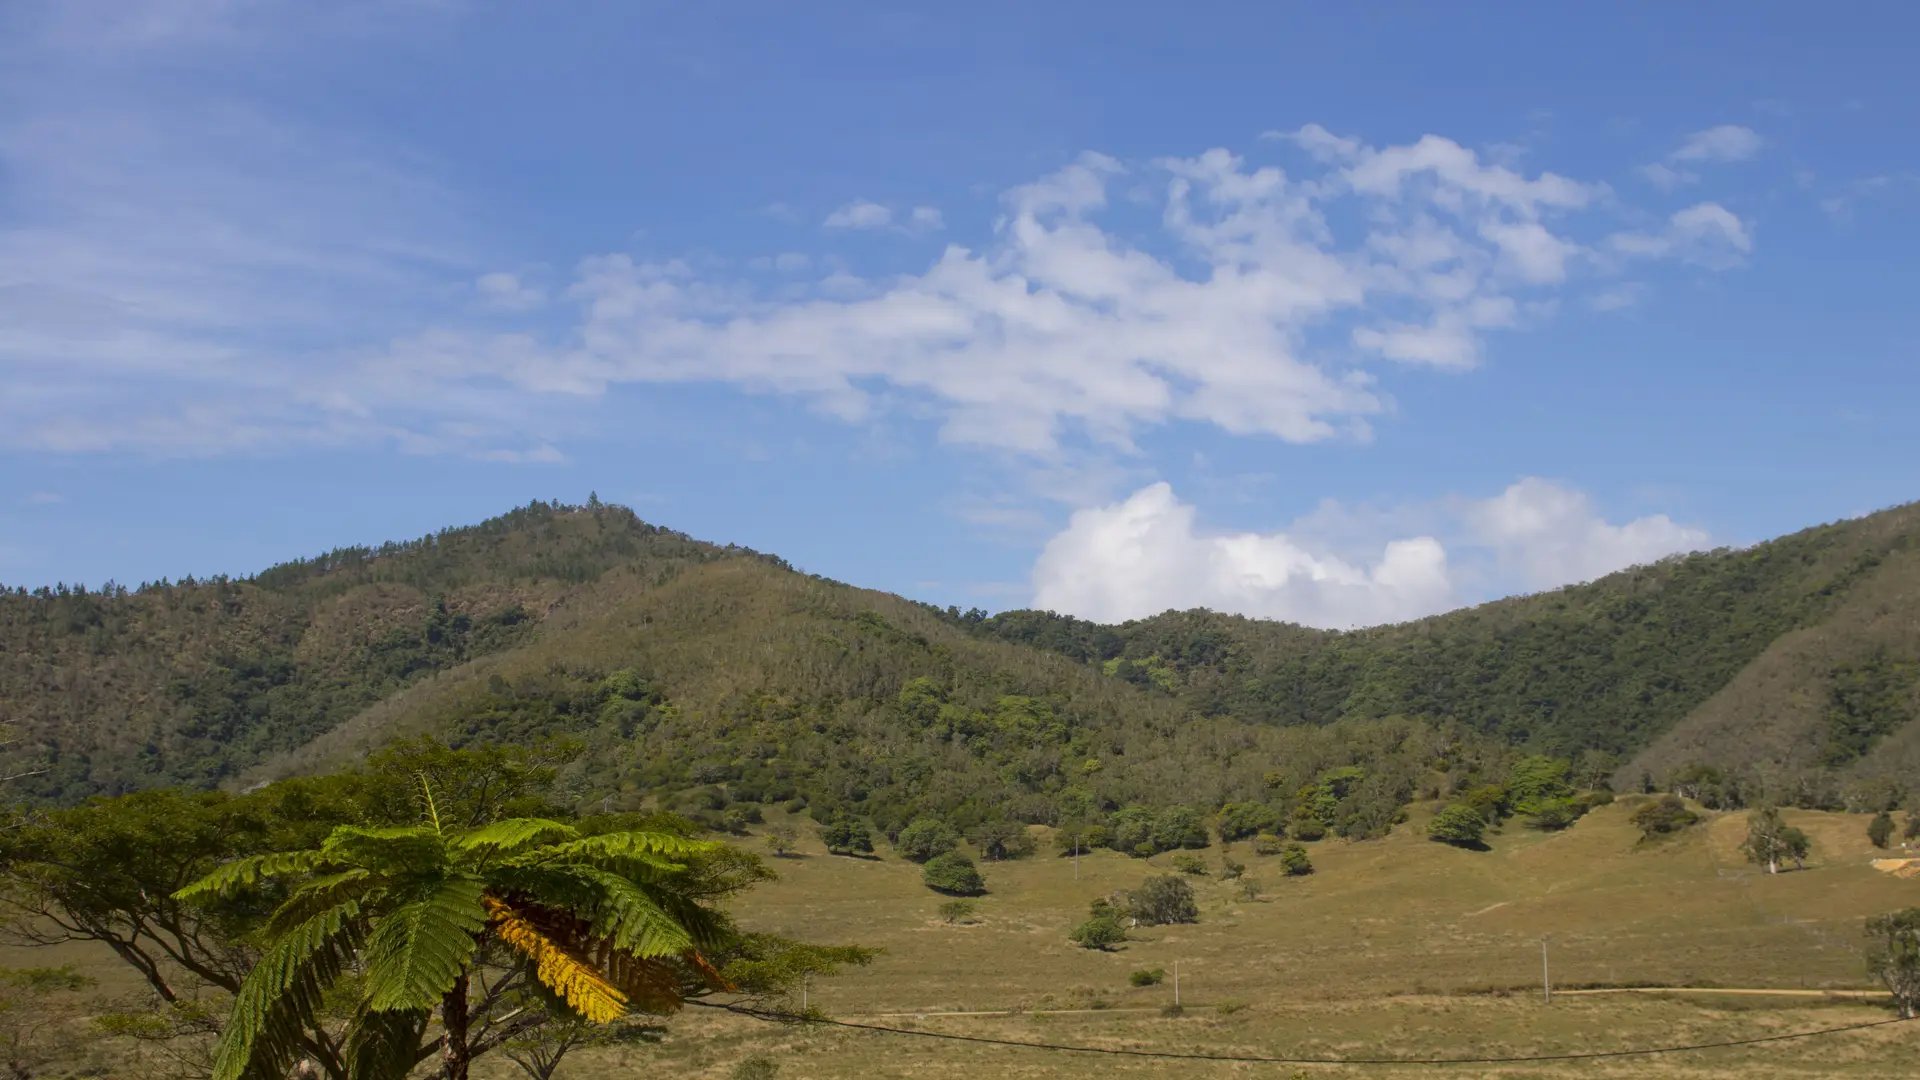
(384, 1045)
(262, 1035)
(392, 848)
(243, 874)
(316, 895)
(512, 835)
(644, 846)
(420, 949)
(629, 917)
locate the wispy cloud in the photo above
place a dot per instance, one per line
(1716, 145)
(859, 214)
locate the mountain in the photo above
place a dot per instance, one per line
(710, 675)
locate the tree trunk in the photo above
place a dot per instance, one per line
(455, 1054)
(1773, 865)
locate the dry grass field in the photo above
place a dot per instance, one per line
(1393, 948)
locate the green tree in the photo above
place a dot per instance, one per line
(1459, 825)
(1166, 898)
(847, 835)
(1237, 821)
(1880, 829)
(1190, 864)
(1077, 837)
(1294, 861)
(953, 874)
(782, 840)
(582, 926)
(1662, 816)
(1893, 957)
(954, 911)
(1105, 927)
(1146, 977)
(1002, 839)
(1770, 839)
(926, 838)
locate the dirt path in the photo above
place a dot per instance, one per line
(1737, 990)
(1724, 990)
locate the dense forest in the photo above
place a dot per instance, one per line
(712, 679)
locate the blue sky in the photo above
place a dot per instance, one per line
(1341, 313)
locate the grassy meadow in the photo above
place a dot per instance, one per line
(1394, 947)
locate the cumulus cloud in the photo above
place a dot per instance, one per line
(1547, 535)
(1147, 554)
(859, 214)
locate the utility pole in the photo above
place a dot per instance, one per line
(1546, 981)
(1076, 859)
(1176, 982)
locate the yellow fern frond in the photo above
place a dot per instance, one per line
(576, 981)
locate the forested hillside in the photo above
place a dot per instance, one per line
(711, 678)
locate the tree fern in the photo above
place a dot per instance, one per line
(421, 948)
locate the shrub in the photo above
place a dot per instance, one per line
(1663, 816)
(845, 835)
(1002, 840)
(1147, 977)
(1103, 930)
(1229, 869)
(782, 840)
(1237, 821)
(757, 1067)
(954, 911)
(1308, 828)
(737, 818)
(1912, 831)
(1552, 815)
(1079, 837)
(1880, 829)
(1167, 898)
(953, 874)
(1190, 864)
(1249, 888)
(1268, 844)
(1294, 861)
(1458, 824)
(926, 838)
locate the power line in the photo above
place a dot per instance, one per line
(760, 1014)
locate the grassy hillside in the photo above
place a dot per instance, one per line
(1629, 662)
(707, 676)
(192, 681)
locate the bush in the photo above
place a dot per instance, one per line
(1880, 829)
(954, 911)
(1308, 828)
(1249, 888)
(1237, 821)
(1663, 816)
(1912, 831)
(846, 835)
(1101, 932)
(1229, 869)
(782, 840)
(1268, 844)
(1167, 898)
(1294, 861)
(737, 818)
(1190, 864)
(1147, 977)
(1552, 815)
(953, 874)
(1460, 825)
(757, 1067)
(1002, 840)
(926, 838)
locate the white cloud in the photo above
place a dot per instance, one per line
(506, 292)
(786, 262)
(859, 214)
(1546, 535)
(1147, 554)
(1144, 555)
(1705, 234)
(1728, 142)
(1716, 145)
(926, 219)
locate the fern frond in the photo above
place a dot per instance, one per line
(421, 948)
(511, 835)
(242, 874)
(648, 847)
(651, 986)
(575, 980)
(282, 991)
(631, 919)
(318, 894)
(384, 1045)
(391, 848)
